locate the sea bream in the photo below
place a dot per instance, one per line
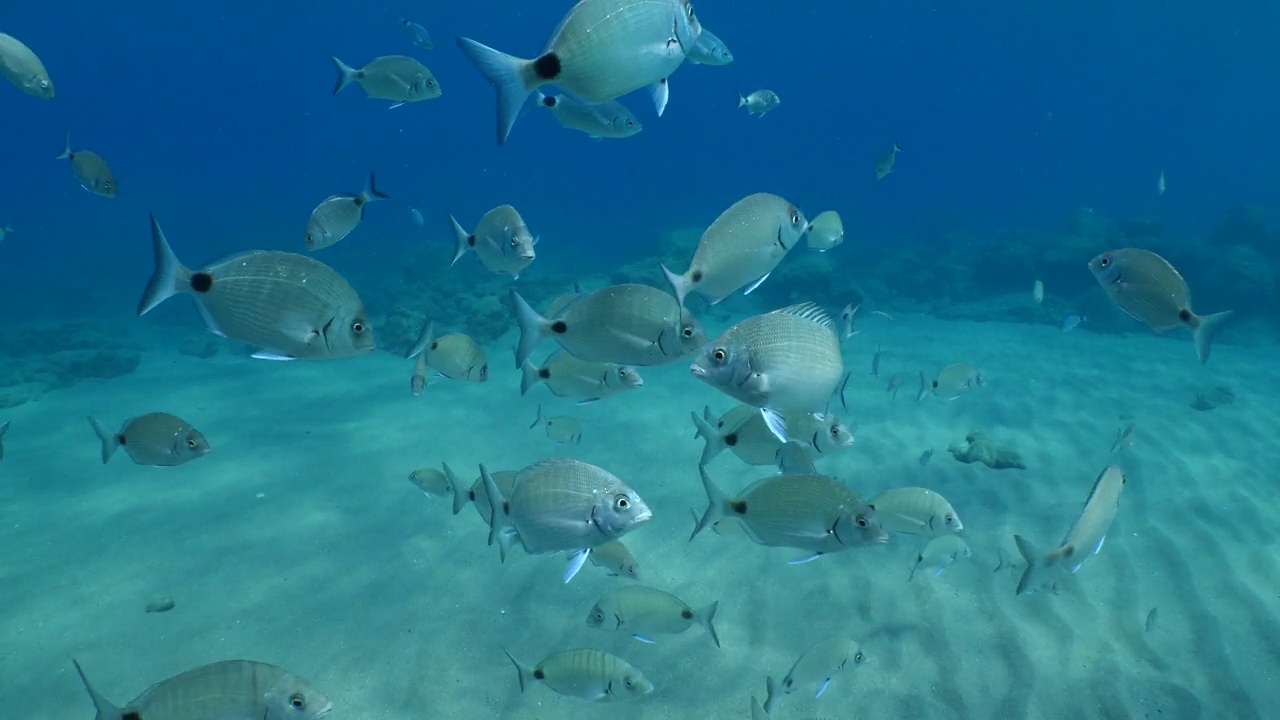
(610, 119)
(602, 50)
(23, 68)
(1083, 540)
(337, 215)
(501, 240)
(710, 50)
(156, 438)
(289, 306)
(398, 78)
(91, 170)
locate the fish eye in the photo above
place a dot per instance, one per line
(431, 83)
(513, 241)
(719, 354)
(1105, 261)
(859, 658)
(689, 12)
(687, 332)
(296, 701)
(862, 522)
(628, 682)
(598, 615)
(357, 327)
(795, 217)
(621, 502)
(835, 431)
(191, 443)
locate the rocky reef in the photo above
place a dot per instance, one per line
(38, 357)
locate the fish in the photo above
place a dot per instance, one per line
(1125, 437)
(884, 163)
(955, 380)
(337, 215)
(416, 215)
(1150, 623)
(22, 67)
(744, 431)
(1160, 184)
(227, 689)
(759, 102)
(610, 119)
(817, 665)
(418, 380)
(782, 361)
(616, 558)
(504, 481)
(561, 302)
(398, 78)
(565, 504)
(710, 50)
(90, 169)
(500, 239)
(924, 387)
(561, 428)
(1071, 322)
(587, 674)
(1150, 289)
(160, 605)
(740, 249)
(941, 552)
(156, 438)
(567, 376)
(432, 482)
(1037, 292)
(418, 35)
(1083, 540)
(602, 50)
(454, 356)
(916, 510)
(3, 429)
(810, 512)
(291, 306)
(643, 612)
(846, 330)
(626, 324)
(826, 231)
(925, 457)
(892, 385)
(875, 361)
(772, 696)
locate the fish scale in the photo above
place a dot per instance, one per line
(796, 511)
(558, 504)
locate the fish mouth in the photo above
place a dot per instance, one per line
(324, 711)
(697, 370)
(644, 516)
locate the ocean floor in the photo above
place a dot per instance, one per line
(300, 542)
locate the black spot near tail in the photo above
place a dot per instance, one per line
(121, 439)
(935, 384)
(1184, 315)
(537, 673)
(558, 327)
(687, 614)
(434, 344)
(696, 276)
(131, 715)
(544, 373)
(549, 101)
(739, 507)
(471, 240)
(201, 282)
(547, 67)
(731, 439)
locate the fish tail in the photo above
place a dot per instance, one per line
(3, 429)
(170, 276)
(514, 78)
(715, 444)
(455, 486)
(542, 418)
(679, 285)
(771, 695)
(742, 99)
(346, 75)
(462, 240)
(1206, 327)
(506, 539)
(706, 616)
(106, 709)
(896, 147)
(532, 327)
(66, 149)
(523, 672)
(497, 505)
(1034, 559)
(371, 191)
(110, 441)
(924, 387)
(716, 500)
(528, 376)
(424, 339)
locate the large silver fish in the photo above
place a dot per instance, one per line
(501, 240)
(610, 119)
(156, 438)
(398, 78)
(220, 691)
(917, 511)
(602, 50)
(625, 324)
(23, 68)
(586, 674)
(337, 215)
(288, 305)
(740, 248)
(643, 612)
(1083, 540)
(90, 169)
(567, 376)
(710, 50)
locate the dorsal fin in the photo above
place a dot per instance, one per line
(809, 311)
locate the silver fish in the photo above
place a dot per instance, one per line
(741, 248)
(916, 510)
(643, 612)
(847, 315)
(875, 361)
(157, 438)
(955, 380)
(925, 386)
(418, 380)
(817, 665)
(398, 78)
(220, 691)
(602, 50)
(884, 164)
(616, 558)
(710, 50)
(609, 119)
(1125, 437)
(455, 356)
(337, 215)
(431, 482)
(892, 385)
(1071, 322)
(587, 674)
(501, 240)
(940, 553)
(289, 305)
(564, 429)
(90, 169)
(23, 68)
(418, 35)
(1150, 623)
(925, 457)
(625, 324)
(567, 376)
(3, 429)
(744, 431)
(416, 215)
(1037, 292)
(759, 102)
(826, 231)
(1083, 540)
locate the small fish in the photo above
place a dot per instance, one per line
(817, 665)
(3, 429)
(741, 248)
(1150, 623)
(23, 68)
(955, 380)
(643, 612)
(616, 558)
(587, 674)
(1125, 437)
(90, 169)
(398, 78)
(1147, 287)
(418, 380)
(924, 387)
(846, 330)
(500, 239)
(882, 314)
(1071, 322)
(158, 439)
(337, 215)
(1160, 185)
(288, 305)
(916, 510)
(939, 554)
(431, 482)
(1037, 292)
(600, 51)
(5, 231)
(227, 689)
(826, 231)
(759, 102)
(418, 35)
(161, 605)
(564, 429)
(895, 382)
(454, 356)
(1083, 540)
(567, 376)
(609, 119)
(884, 164)
(416, 215)
(744, 431)
(875, 361)
(925, 457)
(710, 50)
